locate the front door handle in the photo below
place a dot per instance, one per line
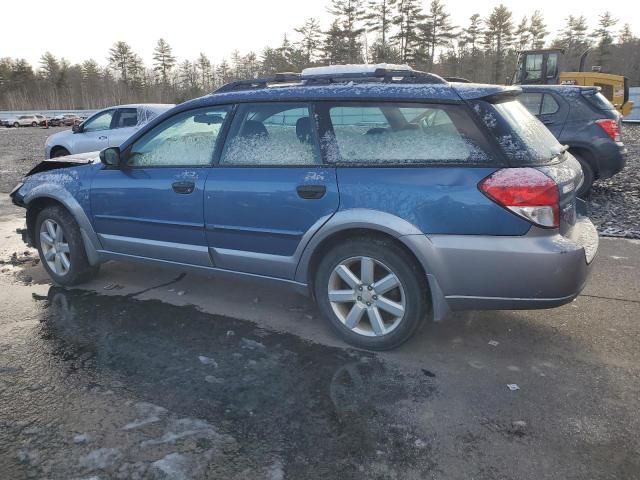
(183, 187)
(311, 192)
(102, 137)
(547, 121)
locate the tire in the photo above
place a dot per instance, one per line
(354, 308)
(34, 124)
(589, 176)
(59, 152)
(16, 125)
(62, 254)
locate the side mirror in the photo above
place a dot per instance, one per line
(110, 156)
(75, 128)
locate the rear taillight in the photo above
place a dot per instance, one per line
(610, 127)
(527, 192)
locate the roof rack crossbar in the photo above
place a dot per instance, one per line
(249, 84)
(379, 74)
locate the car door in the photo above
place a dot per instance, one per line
(152, 205)
(269, 191)
(124, 125)
(93, 134)
(550, 109)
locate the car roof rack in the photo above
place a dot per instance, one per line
(326, 76)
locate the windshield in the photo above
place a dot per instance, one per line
(523, 138)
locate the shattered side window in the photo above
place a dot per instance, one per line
(388, 133)
(271, 134)
(523, 138)
(186, 139)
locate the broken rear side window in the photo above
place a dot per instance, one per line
(401, 133)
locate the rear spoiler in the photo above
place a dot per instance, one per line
(504, 96)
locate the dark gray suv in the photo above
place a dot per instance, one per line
(583, 119)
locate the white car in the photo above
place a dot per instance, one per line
(22, 121)
(105, 128)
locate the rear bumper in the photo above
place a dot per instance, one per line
(611, 159)
(537, 270)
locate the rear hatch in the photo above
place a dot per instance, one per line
(528, 144)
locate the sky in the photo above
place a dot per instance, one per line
(78, 30)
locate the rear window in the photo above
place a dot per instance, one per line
(523, 138)
(390, 133)
(598, 100)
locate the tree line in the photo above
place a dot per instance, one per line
(484, 49)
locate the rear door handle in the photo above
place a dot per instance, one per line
(183, 187)
(311, 192)
(102, 137)
(548, 121)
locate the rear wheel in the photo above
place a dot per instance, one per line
(60, 247)
(373, 294)
(16, 125)
(588, 174)
(34, 124)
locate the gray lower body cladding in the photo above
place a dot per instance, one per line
(537, 270)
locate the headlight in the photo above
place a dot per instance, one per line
(16, 188)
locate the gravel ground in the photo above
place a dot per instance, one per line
(614, 204)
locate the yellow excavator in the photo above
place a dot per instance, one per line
(546, 67)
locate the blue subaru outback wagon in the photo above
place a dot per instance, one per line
(388, 194)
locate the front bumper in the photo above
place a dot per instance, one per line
(537, 270)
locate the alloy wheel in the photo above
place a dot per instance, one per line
(367, 296)
(55, 248)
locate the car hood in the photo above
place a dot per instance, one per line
(59, 137)
(66, 161)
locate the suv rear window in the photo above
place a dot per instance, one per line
(403, 133)
(598, 100)
(523, 138)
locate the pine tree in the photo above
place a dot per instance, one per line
(163, 60)
(626, 36)
(203, 64)
(119, 58)
(379, 19)
(521, 34)
(498, 39)
(349, 15)
(437, 30)
(49, 67)
(537, 30)
(472, 35)
(223, 72)
(90, 70)
(251, 65)
(604, 37)
(408, 17)
(311, 40)
(333, 46)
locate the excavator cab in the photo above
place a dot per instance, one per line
(547, 66)
(538, 67)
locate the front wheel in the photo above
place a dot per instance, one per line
(61, 248)
(373, 294)
(16, 125)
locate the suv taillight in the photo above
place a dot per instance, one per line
(527, 192)
(610, 127)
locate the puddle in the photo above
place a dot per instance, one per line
(120, 388)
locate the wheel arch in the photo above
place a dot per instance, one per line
(57, 147)
(586, 153)
(47, 195)
(372, 224)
